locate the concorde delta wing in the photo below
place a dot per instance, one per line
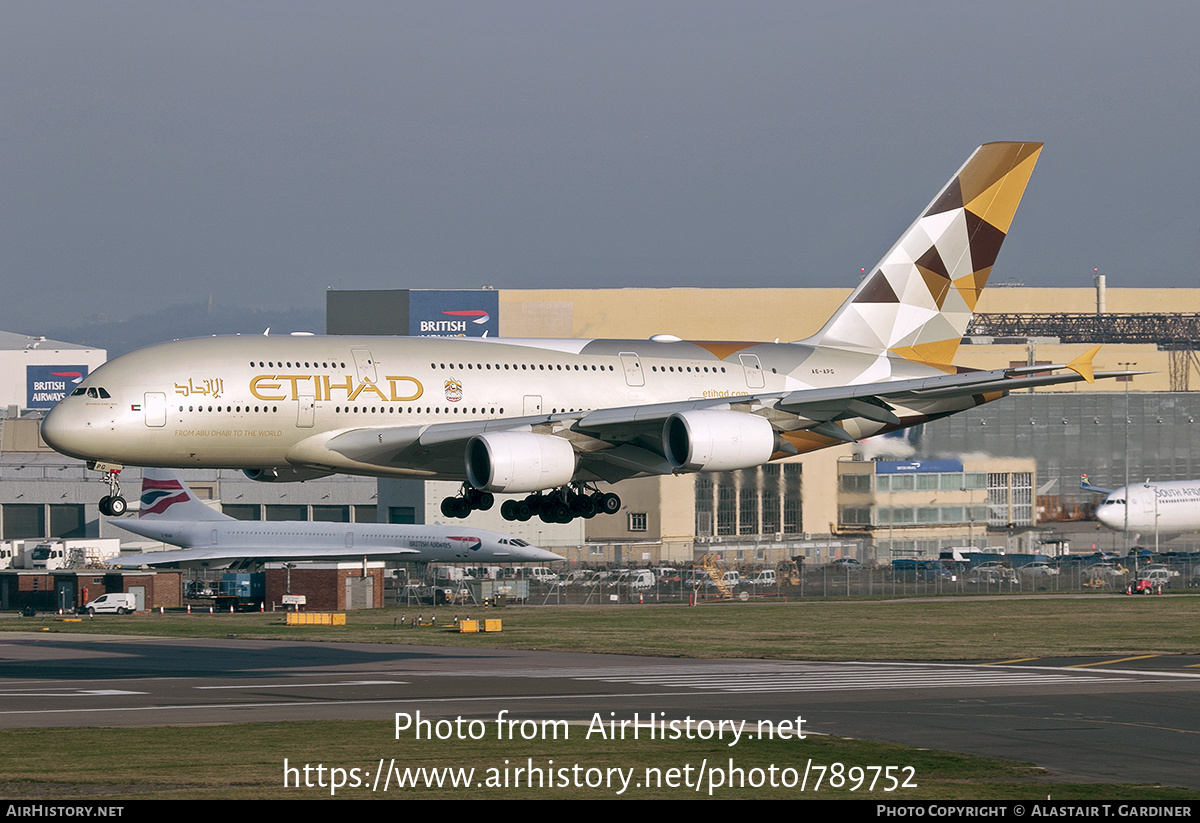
(225, 556)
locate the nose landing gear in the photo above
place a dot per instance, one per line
(112, 504)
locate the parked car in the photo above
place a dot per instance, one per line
(847, 563)
(992, 573)
(1157, 577)
(1037, 570)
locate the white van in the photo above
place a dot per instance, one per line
(764, 579)
(539, 574)
(114, 603)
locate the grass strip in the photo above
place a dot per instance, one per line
(246, 761)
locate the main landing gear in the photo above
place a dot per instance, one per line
(470, 500)
(561, 505)
(112, 504)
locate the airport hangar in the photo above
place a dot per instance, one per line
(1006, 474)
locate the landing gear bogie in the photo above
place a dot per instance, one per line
(562, 505)
(111, 504)
(468, 501)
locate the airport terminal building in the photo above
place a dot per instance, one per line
(1005, 474)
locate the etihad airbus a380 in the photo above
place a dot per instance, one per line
(552, 417)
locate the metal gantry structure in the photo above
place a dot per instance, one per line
(1177, 333)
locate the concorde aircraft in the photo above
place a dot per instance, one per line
(551, 418)
(170, 512)
(1168, 508)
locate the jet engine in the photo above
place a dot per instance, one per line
(518, 462)
(714, 440)
(284, 475)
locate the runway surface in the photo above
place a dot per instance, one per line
(1132, 721)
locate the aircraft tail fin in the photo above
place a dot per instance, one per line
(918, 300)
(166, 497)
(1087, 486)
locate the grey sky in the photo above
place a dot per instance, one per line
(155, 152)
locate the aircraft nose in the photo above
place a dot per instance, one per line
(542, 555)
(62, 433)
(1112, 516)
(53, 429)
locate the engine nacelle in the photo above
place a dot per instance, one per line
(284, 475)
(519, 462)
(715, 440)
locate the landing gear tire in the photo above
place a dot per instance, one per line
(482, 501)
(609, 504)
(556, 512)
(111, 504)
(457, 507)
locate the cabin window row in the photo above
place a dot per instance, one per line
(520, 367)
(688, 369)
(231, 408)
(290, 364)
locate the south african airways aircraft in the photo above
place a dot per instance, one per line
(170, 512)
(1166, 508)
(551, 418)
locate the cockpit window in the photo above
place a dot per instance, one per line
(104, 394)
(92, 393)
(79, 392)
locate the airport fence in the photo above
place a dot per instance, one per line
(835, 581)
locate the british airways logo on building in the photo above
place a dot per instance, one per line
(437, 313)
(479, 318)
(46, 385)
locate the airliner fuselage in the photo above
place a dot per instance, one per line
(269, 403)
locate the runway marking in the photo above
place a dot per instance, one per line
(248, 687)
(1110, 662)
(45, 691)
(386, 701)
(1007, 662)
(754, 676)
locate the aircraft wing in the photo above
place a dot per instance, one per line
(617, 443)
(218, 557)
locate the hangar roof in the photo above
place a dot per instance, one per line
(11, 341)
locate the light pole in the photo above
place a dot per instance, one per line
(1128, 379)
